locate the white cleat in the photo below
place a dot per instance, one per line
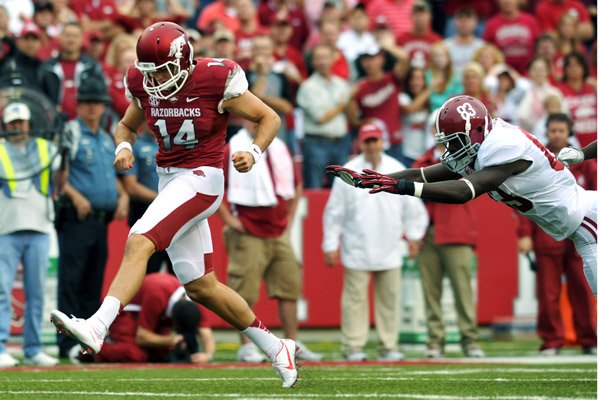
(284, 363)
(79, 329)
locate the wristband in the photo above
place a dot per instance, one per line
(255, 151)
(423, 175)
(418, 189)
(123, 145)
(470, 185)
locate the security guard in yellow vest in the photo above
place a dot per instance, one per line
(26, 214)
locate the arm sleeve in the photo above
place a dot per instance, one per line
(235, 86)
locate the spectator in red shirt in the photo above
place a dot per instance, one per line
(330, 33)
(143, 14)
(448, 250)
(418, 41)
(259, 210)
(293, 12)
(43, 17)
(396, 12)
(60, 76)
(158, 325)
(555, 259)
(547, 47)
(98, 15)
(219, 14)
(568, 40)
(581, 98)
(290, 58)
(119, 56)
(548, 13)
(249, 28)
(376, 98)
(514, 32)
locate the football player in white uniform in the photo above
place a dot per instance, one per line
(511, 165)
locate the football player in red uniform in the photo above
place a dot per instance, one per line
(186, 103)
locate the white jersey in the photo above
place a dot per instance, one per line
(546, 193)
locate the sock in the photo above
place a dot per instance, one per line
(263, 338)
(106, 314)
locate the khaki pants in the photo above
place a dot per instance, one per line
(355, 308)
(453, 260)
(252, 259)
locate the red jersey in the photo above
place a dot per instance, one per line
(379, 99)
(582, 109)
(548, 12)
(95, 10)
(243, 41)
(116, 89)
(418, 46)
(191, 127)
(154, 302)
(515, 37)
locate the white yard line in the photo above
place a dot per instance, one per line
(283, 396)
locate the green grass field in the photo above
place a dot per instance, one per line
(523, 376)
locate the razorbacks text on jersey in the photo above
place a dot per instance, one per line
(547, 192)
(190, 126)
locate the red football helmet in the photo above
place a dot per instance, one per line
(164, 46)
(461, 124)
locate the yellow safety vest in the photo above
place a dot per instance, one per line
(42, 180)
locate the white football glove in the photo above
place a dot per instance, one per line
(570, 155)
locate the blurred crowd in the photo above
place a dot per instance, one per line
(328, 66)
(345, 76)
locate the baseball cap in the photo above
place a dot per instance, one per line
(420, 6)
(369, 131)
(29, 28)
(223, 34)
(16, 111)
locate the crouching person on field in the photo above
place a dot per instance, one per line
(159, 325)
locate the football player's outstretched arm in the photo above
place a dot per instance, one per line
(250, 107)
(433, 173)
(452, 191)
(125, 136)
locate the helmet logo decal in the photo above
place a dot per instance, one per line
(466, 111)
(176, 46)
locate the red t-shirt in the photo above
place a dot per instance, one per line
(548, 12)
(582, 109)
(116, 90)
(516, 38)
(243, 41)
(69, 88)
(154, 297)
(418, 46)
(218, 12)
(95, 10)
(189, 128)
(379, 99)
(263, 222)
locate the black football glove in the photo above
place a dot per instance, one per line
(384, 183)
(349, 176)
